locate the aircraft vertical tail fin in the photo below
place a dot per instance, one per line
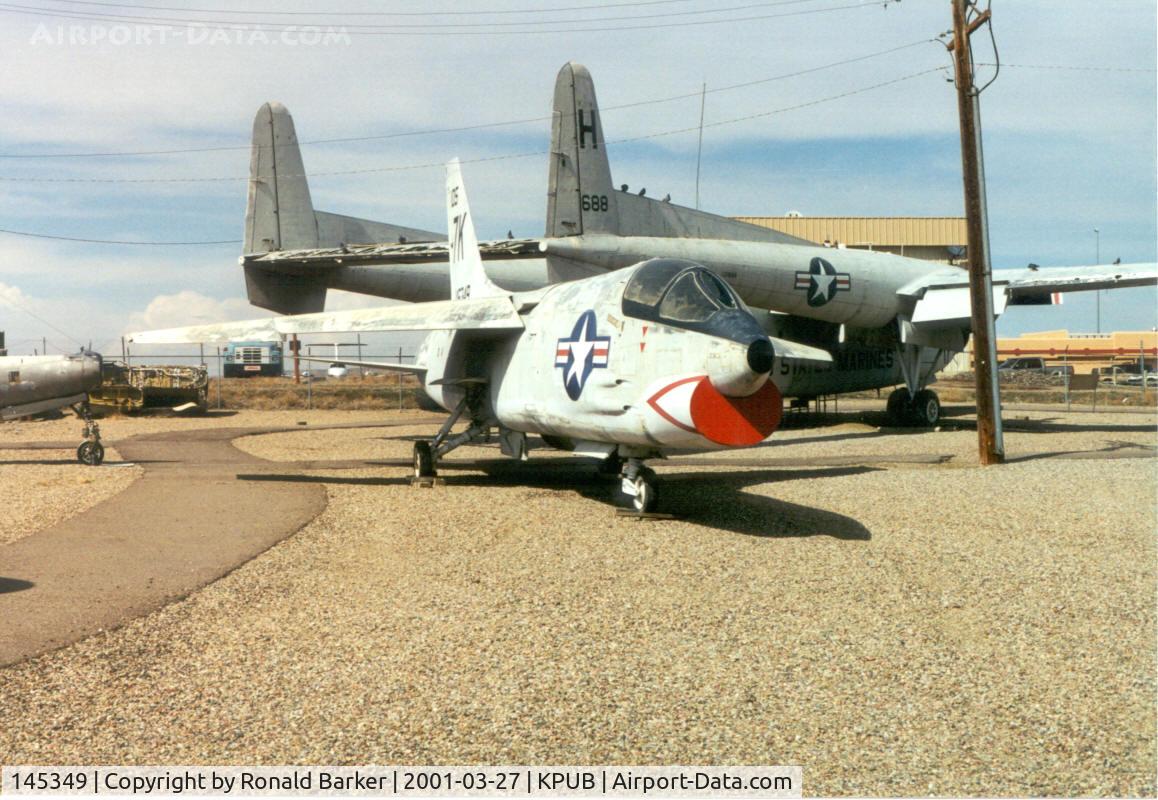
(467, 276)
(279, 214)
(581, 199)
(580, 195)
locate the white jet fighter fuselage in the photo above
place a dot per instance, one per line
(655, 357)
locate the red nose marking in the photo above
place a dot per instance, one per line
(736, 421)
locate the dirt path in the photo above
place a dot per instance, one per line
(185, 523)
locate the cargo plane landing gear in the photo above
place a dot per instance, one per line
(923, 410)
(914, 405)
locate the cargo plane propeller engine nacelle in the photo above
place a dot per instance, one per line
(627, 365)
(35, 384)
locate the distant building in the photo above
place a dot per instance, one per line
(1085, 352)
(940, 239)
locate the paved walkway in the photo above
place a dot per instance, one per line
(186, 522)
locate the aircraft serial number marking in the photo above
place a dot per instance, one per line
(593, 202)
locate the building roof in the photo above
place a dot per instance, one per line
(871, 231)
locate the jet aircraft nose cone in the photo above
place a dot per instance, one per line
(761, 356)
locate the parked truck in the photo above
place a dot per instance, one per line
(251, 359)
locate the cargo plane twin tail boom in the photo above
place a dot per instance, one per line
(627, 365)
(885, 319)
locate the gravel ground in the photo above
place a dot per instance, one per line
(895, 629)
(44, 487)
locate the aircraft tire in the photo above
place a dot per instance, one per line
(927, 408)
(423, 460)
(91, 453)
(646, 494)
(897, 407)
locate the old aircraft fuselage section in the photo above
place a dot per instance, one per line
(31, 384)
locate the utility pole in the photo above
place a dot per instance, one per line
(1098, 262)
(295, 347)
(990, 441)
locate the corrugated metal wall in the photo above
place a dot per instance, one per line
(883, 232)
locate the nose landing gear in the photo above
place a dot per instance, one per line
(91, 451)
(640, 486)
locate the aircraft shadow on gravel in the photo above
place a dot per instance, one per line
(11, 585)
(714, 501)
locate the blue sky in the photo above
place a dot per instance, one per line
(1069, 131)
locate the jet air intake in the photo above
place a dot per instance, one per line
(739, 369)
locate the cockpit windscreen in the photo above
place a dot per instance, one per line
(677, 292)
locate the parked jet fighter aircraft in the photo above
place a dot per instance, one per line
(886, 319)
(35, 384)
(627, 365)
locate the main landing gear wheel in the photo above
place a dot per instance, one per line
(926, 408)
(423, 460)
(90, 453)
(897, 407)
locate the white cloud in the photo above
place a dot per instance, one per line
(188, 307)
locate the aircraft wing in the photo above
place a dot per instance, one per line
(386, 367)
(1033, 286)
(481, 314)
(942, 298)
(789, 350)
(308, 260)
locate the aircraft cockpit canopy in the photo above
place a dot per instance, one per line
(682, 294)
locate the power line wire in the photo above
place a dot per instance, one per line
(440, 30)
(470, 13)
(113, 241)
(39, 319)
(594, 6)
(1067, 67)
(368, 27)
(480, 126)
(440, 164)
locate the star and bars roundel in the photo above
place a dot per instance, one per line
(580, 353)
(822, 282)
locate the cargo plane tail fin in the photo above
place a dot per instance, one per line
(280, 215)
(581, 198)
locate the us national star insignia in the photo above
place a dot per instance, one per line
(822, 282)
(582, 352)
